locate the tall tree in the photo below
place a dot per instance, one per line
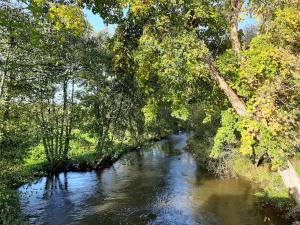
(176, 44)
(235, 9)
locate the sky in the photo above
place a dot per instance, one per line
(248, 21)
(97, 22)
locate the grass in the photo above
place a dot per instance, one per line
(297, 167)
(296, 163)
(35, 165)
(82, 149)
(82, 152)
(12, 175)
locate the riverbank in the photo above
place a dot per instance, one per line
(78, 163)
(163, 184)
(84, 160)
(271, 191)
(81, 159)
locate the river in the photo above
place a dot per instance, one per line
(160, 184)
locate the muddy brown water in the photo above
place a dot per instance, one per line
(161, 184)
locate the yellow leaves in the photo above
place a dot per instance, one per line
(247, 145)
(285, 28)
(39, 3)
(270, 122)
(62, 16)
(248, 135)
(141, 7)
(67, 17)
(264, 63)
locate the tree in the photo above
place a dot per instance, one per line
(109, 98)
(39, 73)
(175, 47)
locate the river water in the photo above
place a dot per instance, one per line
(161, 184)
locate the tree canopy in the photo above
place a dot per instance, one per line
(61, 83)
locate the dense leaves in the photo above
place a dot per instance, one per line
(61, 85)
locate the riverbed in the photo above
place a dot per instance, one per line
(159, 184)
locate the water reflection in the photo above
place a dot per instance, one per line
(159, 185)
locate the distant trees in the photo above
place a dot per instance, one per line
(56, 75)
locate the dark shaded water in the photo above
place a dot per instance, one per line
(159, 185)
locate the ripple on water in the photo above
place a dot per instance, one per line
(161, 184)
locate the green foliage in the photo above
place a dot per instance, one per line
(286, 28)
(263, 61)
(159, 121)
(66, 92)
(271, 86)
(37, 153)
(167, 70)
(225, 135)
(228, 66)
(9, 204)
(17, 133)
(150, 112)
(67, 17)
(204, 123)
(11, 176)
(180, 112)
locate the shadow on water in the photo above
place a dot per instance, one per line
(232, 202)
(159, 185)
(55, 182)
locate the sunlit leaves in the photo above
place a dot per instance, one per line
(248, 135)
(286, 28)
(150, 111)
(140, 7)
(180, 110)
(173, 65)
(67, 17)
(268, 79)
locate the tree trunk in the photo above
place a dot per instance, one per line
(2, 82)
(289, 175)
(5, 73)
(235, 8)
(291, 181)
(237, 103)
(70, 122)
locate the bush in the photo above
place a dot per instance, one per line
(9, 207)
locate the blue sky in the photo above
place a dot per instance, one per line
(97, 22)
(247, 22)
